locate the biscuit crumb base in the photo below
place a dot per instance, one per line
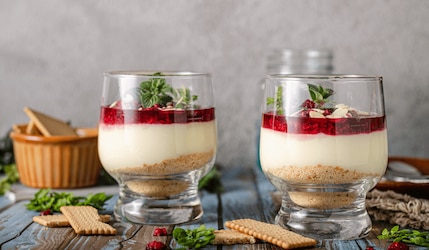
(322, 200)
(164, 188)
(320, 175)
(158, 188)
(181, 164)
(271, 233)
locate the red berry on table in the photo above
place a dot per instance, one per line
(46, 212)
(155, 245)
(398, 246)
(160, 231)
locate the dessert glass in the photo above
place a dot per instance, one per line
(323, 145)
(157, 138)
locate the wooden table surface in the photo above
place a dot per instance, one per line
(247, 195)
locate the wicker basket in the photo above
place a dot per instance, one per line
(56, 161)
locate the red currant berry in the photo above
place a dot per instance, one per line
(398, 246)
(308, 104)
(370, 248)
(46, 212)
(326, 112)
(160, 231)
(155, 245)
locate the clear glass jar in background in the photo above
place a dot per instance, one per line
(293, 61)
(305, 61)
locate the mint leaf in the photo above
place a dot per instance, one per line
(157, 92)
(405, 235)
(44, 199)
(277, 101)
(11, 176)
(193, 238)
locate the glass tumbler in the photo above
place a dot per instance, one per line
(323, 145)
(157, 138)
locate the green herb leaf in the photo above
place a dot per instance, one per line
(277, 101)
(156, 91)
(45, 199)
(319, 94)
(211, 181)
(11, 176)
(193, 238)
(405, 235)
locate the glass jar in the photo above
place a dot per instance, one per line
(293, 61)
(310, 61)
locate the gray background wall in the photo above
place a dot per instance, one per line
(53, 55)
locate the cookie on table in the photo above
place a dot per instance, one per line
(271, 233)
(85, 220)
(60, 220)
(231, 237)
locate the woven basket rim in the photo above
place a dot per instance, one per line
(83, 134)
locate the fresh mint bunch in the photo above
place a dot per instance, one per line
(319, 95)
(277, 100)
(157, 92)
(11, 176)
(405, 235)
(193, 238)
(211, 181)
(44, 200)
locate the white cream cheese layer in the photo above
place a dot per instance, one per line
(134, 145)
(362, 152)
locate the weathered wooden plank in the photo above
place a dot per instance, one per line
(242, 199)
(248, 195)
(210, 203)
(125, 232)
(266, 191)
(13, 221)
(39, 237)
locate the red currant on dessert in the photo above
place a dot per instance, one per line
(370, 248)
(160, 231)
(327, 112)
(46, 212)
(155, 245)
(398, 246)
(308, 104)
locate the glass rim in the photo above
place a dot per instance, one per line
(324, 77)
(150, 73)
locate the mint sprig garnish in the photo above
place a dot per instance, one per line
(277, 100)
(182, 98)
(405, 235)
(11, 176)
(319, 95)
(157, 92)
(193, 238)
(44, 199)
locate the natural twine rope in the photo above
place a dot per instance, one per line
(401, 209)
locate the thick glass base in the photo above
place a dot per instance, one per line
(341, 223)
(180, 208)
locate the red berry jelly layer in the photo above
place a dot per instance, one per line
(329, 126)
(116, 116)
